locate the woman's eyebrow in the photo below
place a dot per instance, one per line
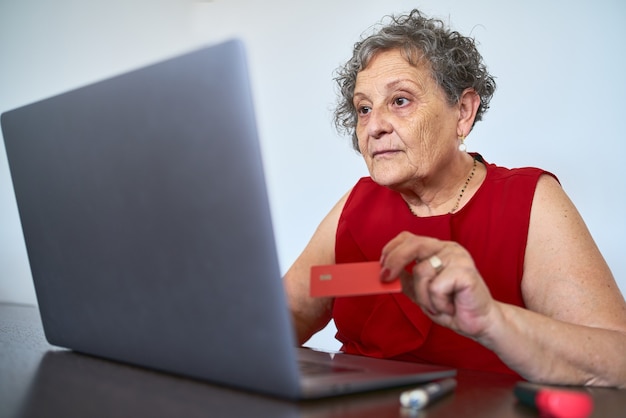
(393, 84)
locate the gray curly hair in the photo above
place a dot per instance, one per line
(454, 60)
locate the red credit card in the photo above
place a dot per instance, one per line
(350, 279)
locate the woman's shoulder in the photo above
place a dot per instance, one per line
(501, 173)
(513, 188)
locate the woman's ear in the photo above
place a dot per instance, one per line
(468, 107)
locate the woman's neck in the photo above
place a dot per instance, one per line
(448, 194)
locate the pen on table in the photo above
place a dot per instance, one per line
(422, 396)
(554, 402)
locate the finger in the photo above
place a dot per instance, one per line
(441, 294)
(403, 250)
(397, 250)
(423, 275)
(411, 245)
(431, 283)
(436, 263)
(408, 282)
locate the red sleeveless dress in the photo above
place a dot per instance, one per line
(492, 226)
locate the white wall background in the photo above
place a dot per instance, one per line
(559, 104)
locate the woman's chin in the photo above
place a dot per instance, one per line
(387, 179)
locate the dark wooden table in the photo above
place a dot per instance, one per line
(40, 380)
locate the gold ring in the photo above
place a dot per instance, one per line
(436, 263)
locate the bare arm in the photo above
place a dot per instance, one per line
(574, 330)
(312, 314)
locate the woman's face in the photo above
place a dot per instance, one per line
(406, 129)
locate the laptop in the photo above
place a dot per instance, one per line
(148, 229)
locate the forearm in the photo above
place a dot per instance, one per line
(309, 315)
(546, 350)
(306, 327)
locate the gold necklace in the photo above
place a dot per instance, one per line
(469, 178)
(458, 200)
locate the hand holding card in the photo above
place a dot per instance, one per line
(350, 279)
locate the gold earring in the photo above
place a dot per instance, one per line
(462, 146)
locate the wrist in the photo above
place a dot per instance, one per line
(494, 328)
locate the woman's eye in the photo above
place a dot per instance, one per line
(364, 110)
(401, 101)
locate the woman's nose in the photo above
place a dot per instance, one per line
(378, 123)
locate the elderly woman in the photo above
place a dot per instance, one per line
(498, 270)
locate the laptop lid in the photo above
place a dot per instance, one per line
(146, 220)
(147, 224)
